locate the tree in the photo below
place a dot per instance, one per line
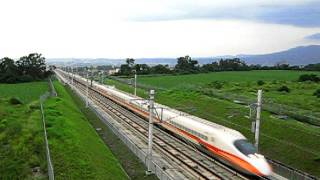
(214, 66)
(27, 68)
(186, 65)
(125, 70)
(312, 67)
(8, 70)
(160, 69)
(142, 69)
(130, 62)
(33, 65)
(234, 64)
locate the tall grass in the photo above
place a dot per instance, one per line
(76, 149)
(22, 153)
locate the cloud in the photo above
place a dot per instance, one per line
(288, 12)
(315, 36)
(144, 28)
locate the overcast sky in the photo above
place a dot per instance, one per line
(155, 28)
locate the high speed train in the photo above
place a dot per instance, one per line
(226, 144)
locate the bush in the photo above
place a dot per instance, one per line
(26, 78)
(309, 77)
(317, 93)
(284, 89)
(34, 105)
(15, 100)
(260, 82)
(216, 84)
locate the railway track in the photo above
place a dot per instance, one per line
(198, 164)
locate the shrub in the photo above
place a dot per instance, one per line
(34, 105)
(284, 89)
(216, 84)
(15, 100)
(260, 82)
(309, 77)
(26, 78)
(317, 93)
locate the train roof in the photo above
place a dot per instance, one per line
(200, 123)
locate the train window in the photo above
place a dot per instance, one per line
(245, 147)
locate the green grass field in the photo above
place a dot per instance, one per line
(21, 134)
(288, 141)
(229, 76)
(27, 92)
(76, 149)
(245, 84)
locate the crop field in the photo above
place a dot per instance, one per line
(229, 76)
(245, 84)
(22, 152)
(286, 140)
(76, 149)
(297, 99)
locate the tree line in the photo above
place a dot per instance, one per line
(27, 68)
(187, 65)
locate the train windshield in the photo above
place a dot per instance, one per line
(245, 147)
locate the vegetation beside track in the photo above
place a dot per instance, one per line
(289, 141)
(132, 165)
(26, 92)
(22, 149)
(77, 152)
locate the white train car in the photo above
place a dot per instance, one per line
(226, 144)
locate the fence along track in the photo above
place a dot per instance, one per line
(201, 163)
(43, 98)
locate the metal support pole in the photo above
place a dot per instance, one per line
(257, 131)
(135, 83)
(91, 78)
(72, 75)
(101, 77)
(150, 135)
(87, 91)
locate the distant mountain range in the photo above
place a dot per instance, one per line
(301, 55)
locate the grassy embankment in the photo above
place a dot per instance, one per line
(288, 141)
(77, 151)
(22, 151)
(132, 165)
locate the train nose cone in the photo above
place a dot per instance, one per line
(266, 169)
(263, 166)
